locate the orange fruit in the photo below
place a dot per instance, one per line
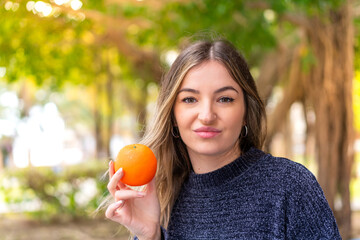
(138, 163)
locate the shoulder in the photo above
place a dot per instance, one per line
(297, 181)
(280, 176)
(307, 210)
(289, 178)
(285, 168)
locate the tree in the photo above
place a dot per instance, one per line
(327, 88)
(67, 46)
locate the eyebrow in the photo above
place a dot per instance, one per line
(189, 90)
(217, 91)
(226, 88)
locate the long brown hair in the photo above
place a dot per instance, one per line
(173, 161)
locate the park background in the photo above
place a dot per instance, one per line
(79, 80)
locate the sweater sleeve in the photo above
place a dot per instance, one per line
(308, 214)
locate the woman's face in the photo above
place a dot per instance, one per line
(209, 112)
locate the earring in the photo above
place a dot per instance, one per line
(246, 131)
(175, 132)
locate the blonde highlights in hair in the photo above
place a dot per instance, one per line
(173, 161)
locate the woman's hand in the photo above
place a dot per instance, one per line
(138, 211)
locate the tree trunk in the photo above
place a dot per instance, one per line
(98, 124)
(272, 69)
(293, 92)
(329, 89)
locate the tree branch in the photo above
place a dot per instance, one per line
(293, 92)
(147, 63)
(272, 68)
(297, 19)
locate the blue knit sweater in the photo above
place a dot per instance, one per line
(257, 196)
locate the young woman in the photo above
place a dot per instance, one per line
(213, 181)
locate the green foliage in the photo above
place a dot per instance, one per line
(59, 49)
(95, 4)
(55, 193)
(47, 49)
(307, 7)
(197, 19)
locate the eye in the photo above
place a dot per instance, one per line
(189, 100)
(226, 100)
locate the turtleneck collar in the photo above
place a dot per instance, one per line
(225, 173)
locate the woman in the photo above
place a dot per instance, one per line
(213, 182)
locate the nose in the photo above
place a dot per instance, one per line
(207, 114)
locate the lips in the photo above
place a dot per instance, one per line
(207, 132)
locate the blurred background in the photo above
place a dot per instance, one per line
(79, 80)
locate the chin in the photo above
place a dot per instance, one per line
(208, 151)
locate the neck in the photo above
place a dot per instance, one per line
(207, 163)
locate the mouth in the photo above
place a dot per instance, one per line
(207, 132)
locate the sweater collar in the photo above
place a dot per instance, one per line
(225, 173)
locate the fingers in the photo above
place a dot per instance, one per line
(128, 194)
(115, 183)
(111, 210)
(111, 169)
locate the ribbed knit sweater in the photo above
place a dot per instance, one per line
(257, 196)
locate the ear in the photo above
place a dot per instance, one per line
(173, 120)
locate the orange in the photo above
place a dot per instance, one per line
(138, 163)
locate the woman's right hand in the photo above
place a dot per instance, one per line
(138, 211)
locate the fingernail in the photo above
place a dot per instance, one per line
(119, 203)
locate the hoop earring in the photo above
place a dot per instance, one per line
(246, 131)
(175, 132)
